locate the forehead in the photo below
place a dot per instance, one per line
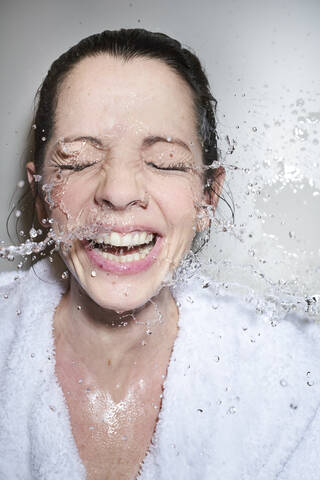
(104, 95)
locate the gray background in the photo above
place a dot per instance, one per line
(262, 59)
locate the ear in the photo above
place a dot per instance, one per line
(211, 199)
(40, 208)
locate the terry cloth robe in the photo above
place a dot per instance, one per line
(241, 398)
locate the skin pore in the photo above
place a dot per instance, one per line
(124, 157)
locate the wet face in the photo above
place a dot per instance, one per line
(122, 177)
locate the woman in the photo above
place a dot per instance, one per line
(125, 372)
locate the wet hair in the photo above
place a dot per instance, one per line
(126, 44)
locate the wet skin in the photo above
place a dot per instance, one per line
(114, 332)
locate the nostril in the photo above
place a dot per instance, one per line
(108, 204)
(140, 203)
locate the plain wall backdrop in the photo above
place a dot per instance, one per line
(262, 61)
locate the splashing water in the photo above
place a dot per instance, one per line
(268, 191)
(270, 255)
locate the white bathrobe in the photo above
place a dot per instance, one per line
(241, 399)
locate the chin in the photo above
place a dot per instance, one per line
(121, 298)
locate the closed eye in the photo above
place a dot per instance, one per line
(75, 167)
(179, 167)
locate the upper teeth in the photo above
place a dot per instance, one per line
(127, 240)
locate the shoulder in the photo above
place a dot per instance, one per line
(23, 294)
(251, 327)
(269, 364)
(11, 291)
(259, 380)
(40, 277)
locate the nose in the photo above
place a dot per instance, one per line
(121, 187)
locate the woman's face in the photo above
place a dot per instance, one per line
(122, 177)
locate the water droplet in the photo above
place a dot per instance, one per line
(33, 233)
(216, 358)
(283, 382)
(80, 381)
(21, 183)
(34, 126)
(91, 428)
(300, 133)
(37, 178)
(232, 410)
(43, 139)
(254, 129)
(79, 307)
(32, 355)
(5, 296)
(93, 273)
(293, 406)
(300, 102)
(65, 275)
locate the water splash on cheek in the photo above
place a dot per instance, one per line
(54, 192)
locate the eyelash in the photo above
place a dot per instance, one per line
(179, 167)
(75, 168)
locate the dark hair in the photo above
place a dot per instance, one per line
(126, 44)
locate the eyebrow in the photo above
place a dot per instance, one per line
(90, 139)
(151, 140)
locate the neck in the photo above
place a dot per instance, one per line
(97, 336)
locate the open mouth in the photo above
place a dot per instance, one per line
(130, 247)
(124, 253)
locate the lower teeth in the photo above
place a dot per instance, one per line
(131, 257)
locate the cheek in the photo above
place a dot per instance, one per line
(178, 199)
(66, 197)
